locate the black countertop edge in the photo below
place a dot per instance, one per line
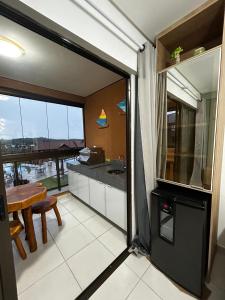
(100, 173)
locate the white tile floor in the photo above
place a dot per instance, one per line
(79, 251)
(138, 279)
(74, 256)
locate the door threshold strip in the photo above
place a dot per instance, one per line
(92, 288)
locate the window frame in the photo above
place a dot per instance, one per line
(42, 154)
(51, 153)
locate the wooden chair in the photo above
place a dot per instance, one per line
(15, 228)
(41, 208)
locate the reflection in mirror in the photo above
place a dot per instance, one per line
(187, 100)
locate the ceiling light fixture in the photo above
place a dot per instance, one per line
(10, 48)
(4, 98)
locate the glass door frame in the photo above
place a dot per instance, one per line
(29, 23)
(8, 289)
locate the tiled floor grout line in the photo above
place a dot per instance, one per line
(99, 235)
(139, 279)
(148, 284)
(96, 238)
(81, 249)
(65, 261)
(109, 249)
(32, 284)
(74, 276)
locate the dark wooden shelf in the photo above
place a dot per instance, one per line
(201, 28)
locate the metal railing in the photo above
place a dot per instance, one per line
(48, 167)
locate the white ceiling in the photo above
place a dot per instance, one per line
(202, 71)
(49, 65)
(152, 16)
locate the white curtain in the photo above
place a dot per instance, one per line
(161, 102)
(147, 107)
(200, 144)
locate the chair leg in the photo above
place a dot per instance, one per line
(44, 228)
(57, 215)
(20, 247)
(15, 215)
(16, 218)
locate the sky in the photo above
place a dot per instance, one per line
(31, 118)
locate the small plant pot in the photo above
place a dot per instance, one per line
(174, 61)
(177, 59)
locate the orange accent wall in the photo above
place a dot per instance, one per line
(113, 138)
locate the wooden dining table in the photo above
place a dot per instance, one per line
(21, 198)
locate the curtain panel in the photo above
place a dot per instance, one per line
(145, 145)
(161, 99)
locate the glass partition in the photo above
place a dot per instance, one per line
(11, 132)
(187, 101)
(31, 126)
(34, 121)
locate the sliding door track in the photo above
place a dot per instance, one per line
(92, 288)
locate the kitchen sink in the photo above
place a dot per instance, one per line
(116, 172)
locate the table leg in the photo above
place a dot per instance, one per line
(29, 227)
(24, 222)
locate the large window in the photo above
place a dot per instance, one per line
(30, 126)
(11, 132)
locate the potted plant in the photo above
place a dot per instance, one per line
(175, 55)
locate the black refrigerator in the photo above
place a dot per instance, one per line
(179, 235)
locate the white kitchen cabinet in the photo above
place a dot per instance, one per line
(107, 200)
(79, 185)
(83, 188)
(73, 182)
(97, 195)
(116, 206)
(70, 180)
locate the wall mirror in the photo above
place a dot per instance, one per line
(187, 104)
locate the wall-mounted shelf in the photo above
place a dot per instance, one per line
(201, 28)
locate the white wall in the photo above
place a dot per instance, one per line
(221, 225)
(89, 28)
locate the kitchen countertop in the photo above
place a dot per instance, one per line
(100, 172)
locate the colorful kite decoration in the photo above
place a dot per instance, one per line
(102, 120)
(122, 105)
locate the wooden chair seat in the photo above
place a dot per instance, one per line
(45, 205)
(41, 208)
(15, 228)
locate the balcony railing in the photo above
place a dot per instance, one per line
(49, 168)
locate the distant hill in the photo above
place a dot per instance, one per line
(23, 145)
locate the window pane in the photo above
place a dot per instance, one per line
(42, 170)
(29, 125)
(76, 130)
(64, 170)
(58, 126)
(10, 125)
(34, 120)
(9, 176)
